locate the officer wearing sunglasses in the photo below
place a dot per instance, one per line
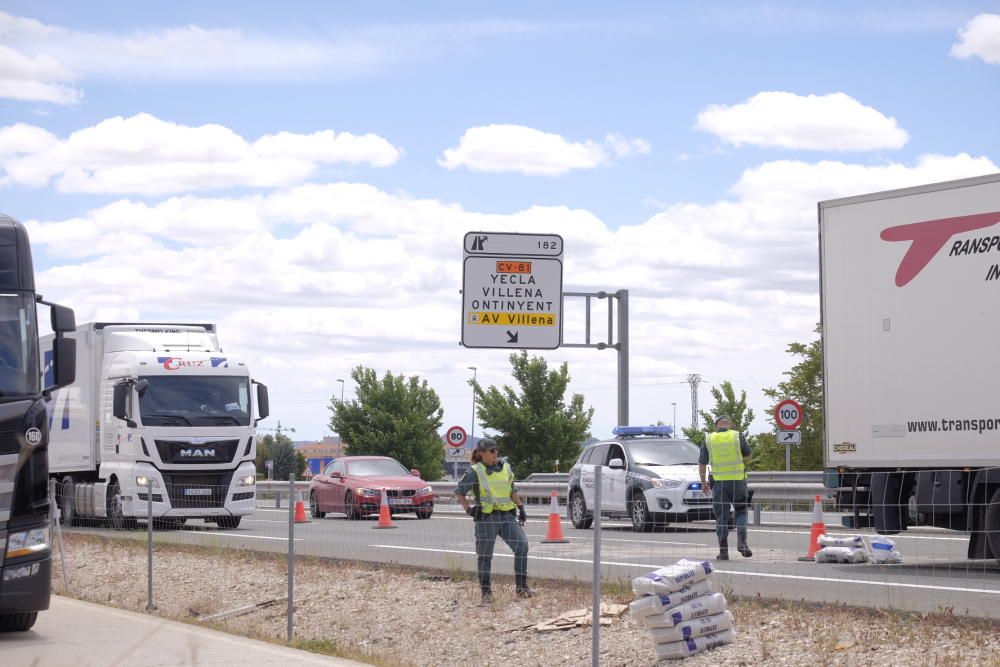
(498, 511)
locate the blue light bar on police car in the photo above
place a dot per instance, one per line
(643, 430)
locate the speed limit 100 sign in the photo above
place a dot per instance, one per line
(788, 414)
(456, 436)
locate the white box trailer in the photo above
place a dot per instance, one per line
(910, 287)
(160, 410)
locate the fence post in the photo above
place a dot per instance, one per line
(291, 551)
(595, 633)
(149, 543)
(56, 515)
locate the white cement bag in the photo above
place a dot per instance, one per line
(855, 541)
(883, 550)
(696, 627)
(841, 555)
(672, 578)
(683, 649)
(706, 605)
(657, 604)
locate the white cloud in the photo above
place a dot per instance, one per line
(313, 280)
(145, 155)
(979, 37)
(835, 122)
(39, 79)
(516, 148)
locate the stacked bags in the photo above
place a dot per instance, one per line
(853, 549)
(681, 613)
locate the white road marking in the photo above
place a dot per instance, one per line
(798, 577)
(248, 537)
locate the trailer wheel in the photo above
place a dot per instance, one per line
(116, 514)
(992, 524)
(17, 622)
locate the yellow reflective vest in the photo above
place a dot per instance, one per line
(725, 455)
(495, 488)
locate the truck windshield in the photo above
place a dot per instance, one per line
(195, 400)
(664, 452)
(19, 375)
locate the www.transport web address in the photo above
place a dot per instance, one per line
(946, 425)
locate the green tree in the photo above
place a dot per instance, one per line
(804, 384)
(727, 404)
(393, 416)
(533, 425)
(279, 448)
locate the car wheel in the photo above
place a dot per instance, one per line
(314, 506)
(116, 514)
(228, 521)
(641, 521)
(578, 512)
(425, 513)
(351, 507)
(18, 622)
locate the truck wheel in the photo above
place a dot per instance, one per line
(228, 521)
(17, 622)
(992, 524)
(66, 498)
(641, 521)
(578, 512)
(116, 514)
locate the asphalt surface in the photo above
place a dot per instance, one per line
(935, 577)
(80, 634)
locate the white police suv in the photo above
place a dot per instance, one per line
(646, 475)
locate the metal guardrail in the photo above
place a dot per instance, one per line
(796, 486)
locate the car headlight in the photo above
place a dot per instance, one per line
(27, 542)
(425, 491)
(248, 480)
(143, 481)
(368, 492)
(666, 483)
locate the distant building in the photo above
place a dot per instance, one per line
(319, 454)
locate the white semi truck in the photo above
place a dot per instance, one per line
(160, 409)
(910, 286)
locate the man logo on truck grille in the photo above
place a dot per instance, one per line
(928, 237)
(197, 453)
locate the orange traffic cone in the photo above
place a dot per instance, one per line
(818, 528)
(554, 534)
(300, 510)
(384, 515)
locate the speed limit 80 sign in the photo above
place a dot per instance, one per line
(456, 436)
(788, 414)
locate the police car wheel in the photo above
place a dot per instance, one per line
(641, 521)
(578, 512)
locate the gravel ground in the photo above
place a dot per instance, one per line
(400, 616)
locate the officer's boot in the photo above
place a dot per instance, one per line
(522, 586)
(723, 549)
(741, 544)
(487, 598)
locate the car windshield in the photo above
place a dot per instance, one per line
(195, 400)
(664, 452)
(376, 468)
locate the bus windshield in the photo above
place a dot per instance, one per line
(19, 375)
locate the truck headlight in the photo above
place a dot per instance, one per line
(248, 480)
(666, 483)
(143, 482)
(27, 542)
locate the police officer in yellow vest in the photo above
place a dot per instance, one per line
(728, 452)
(492, 482)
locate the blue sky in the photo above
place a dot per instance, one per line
(659, 138)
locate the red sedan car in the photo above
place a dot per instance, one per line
(353, 485)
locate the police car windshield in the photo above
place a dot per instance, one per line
(664, 452)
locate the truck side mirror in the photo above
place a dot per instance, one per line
(263, 407)
(141, 386)
(63, 319)
(120, 402)
(63, 362)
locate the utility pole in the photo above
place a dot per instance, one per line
(341, 389)
(673, 424)
(694, 380)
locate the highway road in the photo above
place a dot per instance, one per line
(935, 577)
